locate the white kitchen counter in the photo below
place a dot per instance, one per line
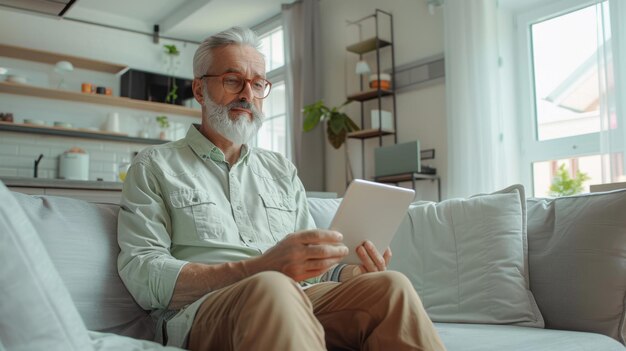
(93, 191)
(60, 183)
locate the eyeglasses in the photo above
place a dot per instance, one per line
(234, 83)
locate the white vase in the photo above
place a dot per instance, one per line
(112, 123)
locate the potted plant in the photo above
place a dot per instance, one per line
(163, 123)
(338, 124)
(171, 49)
(172, 53)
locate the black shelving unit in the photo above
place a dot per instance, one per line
(365, 48)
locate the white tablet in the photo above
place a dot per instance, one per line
(370, 211)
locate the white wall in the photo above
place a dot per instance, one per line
(421, 112)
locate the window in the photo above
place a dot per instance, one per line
(274, 133)
(562, 119)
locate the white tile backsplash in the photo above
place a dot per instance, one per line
(33, 151)
(48, 163)
(8, 172)
(8, 150)
(16, 161)
(18, 152)
(26, 173)
(118, 148)
(102, 156)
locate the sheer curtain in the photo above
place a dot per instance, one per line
(612, 80)
(303, 86)
(479, 134)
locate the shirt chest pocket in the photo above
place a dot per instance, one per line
(281, 214)
(197, 212)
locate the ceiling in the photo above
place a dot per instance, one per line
(190, 20)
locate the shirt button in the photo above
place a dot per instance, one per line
(239, 208)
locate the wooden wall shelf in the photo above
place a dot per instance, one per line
(367, 45)
(52, 58)
(369, 94)
(31, 90)
(369, 133)
(75, 133)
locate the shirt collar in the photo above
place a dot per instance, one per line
(205, 149)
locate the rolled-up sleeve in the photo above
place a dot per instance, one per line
(144, 235)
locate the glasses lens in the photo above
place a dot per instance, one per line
(232, 83)
(260, 87)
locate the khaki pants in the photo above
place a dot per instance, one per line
(269, 311)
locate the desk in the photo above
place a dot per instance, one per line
(411, 177)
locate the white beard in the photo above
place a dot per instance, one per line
(240, 130)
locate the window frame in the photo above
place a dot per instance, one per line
(534, 150)
(276, 76)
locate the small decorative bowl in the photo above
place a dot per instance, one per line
(36, 122)
(63, 124)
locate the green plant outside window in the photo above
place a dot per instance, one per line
(564, 185)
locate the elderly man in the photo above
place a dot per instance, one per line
(216, 237)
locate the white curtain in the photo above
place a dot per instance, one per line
(303, 86)
(612, 87)
(478, 136)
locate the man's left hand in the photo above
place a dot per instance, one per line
(371, 261)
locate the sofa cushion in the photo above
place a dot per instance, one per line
(323, 210)
(36, 309)
(483, 337)
(81, 239)
(578, 259)
(114, 342)
(467, 259)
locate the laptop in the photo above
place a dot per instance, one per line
(370, 211)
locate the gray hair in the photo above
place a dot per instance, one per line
(235, 35)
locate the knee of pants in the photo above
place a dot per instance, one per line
(271, 280)
(274, 286)
(391, 281)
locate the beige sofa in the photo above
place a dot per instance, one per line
(576, 273)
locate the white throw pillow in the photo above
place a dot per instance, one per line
(37, 311)
(578, 258)
(468, 259)
(74, 231)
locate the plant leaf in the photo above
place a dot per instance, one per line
(352, 127)
(311, 120)
(337, 122)
(336, 140)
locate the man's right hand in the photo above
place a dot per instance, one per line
(304, 254)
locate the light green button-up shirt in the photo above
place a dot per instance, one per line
(182, 202)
